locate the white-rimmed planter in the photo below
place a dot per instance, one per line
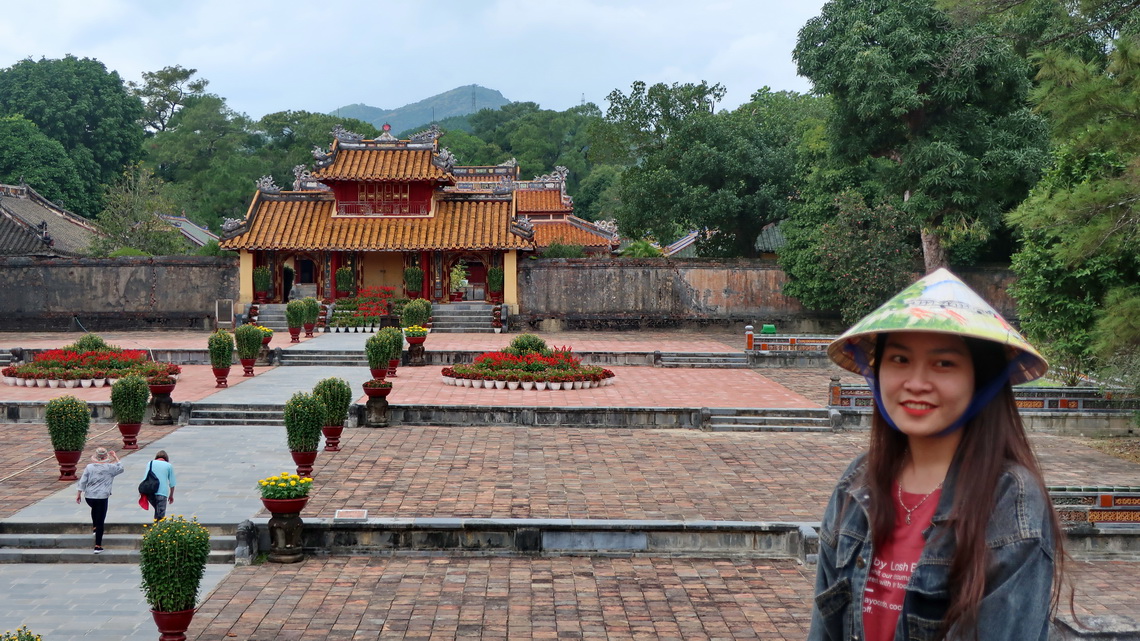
(528, 385)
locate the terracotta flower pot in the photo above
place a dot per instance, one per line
(304, 461)
(130, 432)
(172, 625)
(67, 460)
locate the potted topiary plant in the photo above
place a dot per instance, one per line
(376, 349)
(416, 312)
(295, 319)
(248, 338)
(344, 281)
(312, 311)
(495, 284)
(172, 560)
(262, 283)
(304, 416)
(221, 347)
(67, 421)
(128, 400)
(458, 278)
(377, 387)
(336, 395)
(413, 281)
(393, 339)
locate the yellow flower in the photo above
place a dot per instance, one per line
(292, 482)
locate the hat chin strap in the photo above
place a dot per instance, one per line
(982, 396)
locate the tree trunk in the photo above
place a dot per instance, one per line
(933, 253)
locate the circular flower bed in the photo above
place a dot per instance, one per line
(528, 364)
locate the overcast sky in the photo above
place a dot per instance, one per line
(264, 57)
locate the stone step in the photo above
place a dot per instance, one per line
(462, 330)
(53, 541)
(742, 427)
(706, 365)
(773, 420)
(221, 422)
(86, 555)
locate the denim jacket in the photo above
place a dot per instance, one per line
(1019, 576)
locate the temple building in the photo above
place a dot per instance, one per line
(378, 207)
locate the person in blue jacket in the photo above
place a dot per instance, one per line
(166, 481)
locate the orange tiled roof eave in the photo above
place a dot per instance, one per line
(383, 165)
(571, 231)
(308, 221)
(541, 201)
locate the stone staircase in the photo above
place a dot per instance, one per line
(272, 315)
(768, 420)
(709, 360)
(74, 542)
(5, 358)
(228, 414)
(330, 358)
(471, 317)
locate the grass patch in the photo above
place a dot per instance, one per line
(1125, 447)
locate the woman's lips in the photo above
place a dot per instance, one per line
(915, 408)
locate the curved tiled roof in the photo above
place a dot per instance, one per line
(71, 235)
(305, 220)
(571, 231)
(540, 200)
(401, 165)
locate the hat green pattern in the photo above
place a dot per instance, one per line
(938, 302)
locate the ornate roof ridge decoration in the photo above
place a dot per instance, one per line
(473, 196)
(559, 174)
(609, 225)
(344, 135)
(510, 162)
(266, 185)
(323, 158)
(554, 180)
(429, 135)
(521, 226)
(233, 227)
(585, 225)
(504, 186)
(385, 137)
(444, 159)
(303, 180)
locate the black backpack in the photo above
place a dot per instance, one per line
(150, 484)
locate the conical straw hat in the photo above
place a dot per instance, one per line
(939, 302)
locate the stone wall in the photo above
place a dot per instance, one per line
(639, 293)
(100, 294)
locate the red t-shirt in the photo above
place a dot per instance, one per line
(893, 564)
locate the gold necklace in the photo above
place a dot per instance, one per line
(910, 510)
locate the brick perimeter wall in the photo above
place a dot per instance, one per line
(69, 294)
(590, 293)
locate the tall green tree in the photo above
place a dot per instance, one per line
(27, 155)
(638, 124)
(84, 107)
(291, 135)
(164, 92)
(731, 173)
(1081, 224)
(946, 103)
(131, 218)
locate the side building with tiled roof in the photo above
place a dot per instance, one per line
(545, 203)
(378, 207)
(31, 225)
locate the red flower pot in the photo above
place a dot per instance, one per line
(172, 625)
(378, 372)
(220, 376)
(285, 506)
(247, 366)
(130, 432)
(265, 339)
(304, 461)
(372, 392)
(416, 340)
(67, 460)
(161, 389)
(294, 334)
(309, 329)
(332, 437)
(392, 364)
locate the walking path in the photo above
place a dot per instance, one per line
(496, 472)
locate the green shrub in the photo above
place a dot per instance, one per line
(415, 312)
(393, 342)
(344, 279)
(172, 560)
(413, 279)
(458, 277)
(126, 252)
(68, 420)
(559, 250)
(376, 350)
(221, 346)
(89, 343)
(312, 310)
(248, 338)
(524, 344)
(128, 399)
(495, 280)
(295, 314)
(336, 395)
(262, 279)
(304, 417)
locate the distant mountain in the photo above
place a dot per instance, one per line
(457, 102)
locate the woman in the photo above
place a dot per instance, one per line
(943, 529)
(96, 481)
(165, 493)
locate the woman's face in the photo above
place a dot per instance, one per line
(926, 381)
